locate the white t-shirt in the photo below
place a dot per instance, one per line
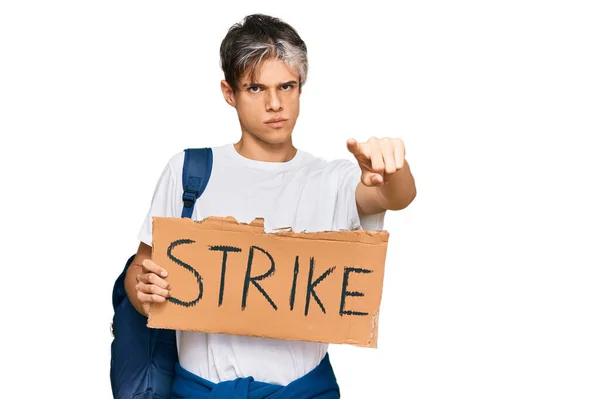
(307, 194)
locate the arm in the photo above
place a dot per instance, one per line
(386, 182)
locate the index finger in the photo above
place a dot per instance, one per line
(356, 148)
(353, 146)
(150, 266)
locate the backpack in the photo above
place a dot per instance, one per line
(143, 359)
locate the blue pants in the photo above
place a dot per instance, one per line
(319, 383)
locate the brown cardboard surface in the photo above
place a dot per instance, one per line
(323, 286)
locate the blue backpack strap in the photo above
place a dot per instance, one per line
(197, 167)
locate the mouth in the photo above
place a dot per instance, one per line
(275, 122)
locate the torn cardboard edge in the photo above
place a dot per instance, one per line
(229, 223)
(316, 292)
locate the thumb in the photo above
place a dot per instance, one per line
(371, 179)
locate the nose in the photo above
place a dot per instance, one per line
(273, 101)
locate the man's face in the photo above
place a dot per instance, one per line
(269, 106)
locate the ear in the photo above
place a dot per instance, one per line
(228, 93)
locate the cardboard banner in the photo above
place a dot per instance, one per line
(233, 278)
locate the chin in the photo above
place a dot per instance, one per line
(276, 138)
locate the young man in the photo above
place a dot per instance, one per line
(264, 175)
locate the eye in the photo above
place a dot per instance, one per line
(253, 89)
(287, 87)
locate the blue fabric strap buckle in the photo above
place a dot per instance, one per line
(189, 198)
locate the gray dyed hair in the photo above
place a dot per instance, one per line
(256, 39)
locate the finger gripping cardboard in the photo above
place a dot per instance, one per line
(234, 278)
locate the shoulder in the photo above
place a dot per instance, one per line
(174, 164)
(176, 160)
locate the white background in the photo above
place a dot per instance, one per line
(492, 286)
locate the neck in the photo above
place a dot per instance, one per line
(253, 148)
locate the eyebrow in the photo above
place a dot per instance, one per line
(289, 83)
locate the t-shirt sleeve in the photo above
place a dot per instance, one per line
(346, 210)
(163, 202)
